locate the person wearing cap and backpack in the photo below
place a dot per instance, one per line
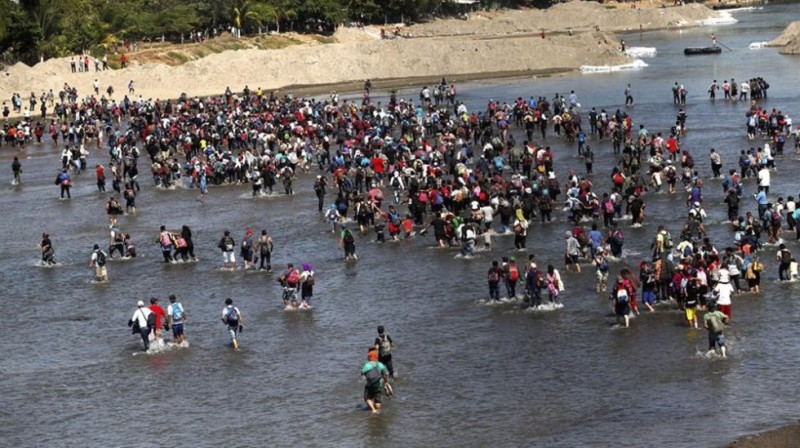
(377, 376)
(141, 323)
(385, 345)
(511, 276)
(176, 316)
(98, 262)
(233, 319)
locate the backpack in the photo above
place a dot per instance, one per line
(668, 240)
(776, 218)
(395, 182)
(293, 278)
(604, 265)
(348, 237)
(232, 318)
(177, 313)
(101, 258)
(227, 244)
(757, 227)
(394, 217)
(310, 280)
(617, 239)
(493, 275)
(608, 205)
(513, 273)
(786, 256)
(622, 294)
(715, 321)
(151, 320)
(385, 346)
(373, 376)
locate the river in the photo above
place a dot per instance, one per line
(469, 374)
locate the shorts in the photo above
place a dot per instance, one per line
(715, 339)
(232, 331)
(622, 309)
(100, 271)
(690, 314)
(177, 330)
(571, 259)
(228, 257)
(372, 393)
(649, 297)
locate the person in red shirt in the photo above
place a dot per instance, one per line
(161, 317)
(100, 172)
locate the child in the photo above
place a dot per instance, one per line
(690, 305)
(130, 249)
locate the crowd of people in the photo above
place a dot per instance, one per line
(393, 169)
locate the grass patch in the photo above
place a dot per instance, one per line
(610, 6)
(274, 42)
(324, 39)
(178, 57)
(200, 54)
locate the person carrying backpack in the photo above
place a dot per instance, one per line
(290, 281)
(348, 241)
(139, 323)
(98, 262)
(377, 376)
(233, 319)
(226, 245)
(307, 282)
(385, 345)
(784, 257)
(511, 276)
(176, 316)
(620, 298)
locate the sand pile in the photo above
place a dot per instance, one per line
(789, 40)
(501, 43)
(580, 16)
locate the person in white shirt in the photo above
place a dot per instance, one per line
(764, 178)
(233, 319)
(138, 323)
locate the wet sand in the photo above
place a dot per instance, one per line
(785, 437)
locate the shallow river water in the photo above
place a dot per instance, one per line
(469, 374)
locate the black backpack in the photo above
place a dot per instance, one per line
(348, 237)
(101, 258)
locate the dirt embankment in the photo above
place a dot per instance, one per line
(789, 40)
(502, 43)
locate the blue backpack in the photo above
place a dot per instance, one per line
(177, 313)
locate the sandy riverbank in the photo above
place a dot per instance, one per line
(489, 45)
(788, 41)
(785, 437)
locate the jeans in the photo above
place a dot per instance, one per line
(494, 290)
(144, 332)
(468, 247)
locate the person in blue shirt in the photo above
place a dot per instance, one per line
(761, 199)
(596, 238)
